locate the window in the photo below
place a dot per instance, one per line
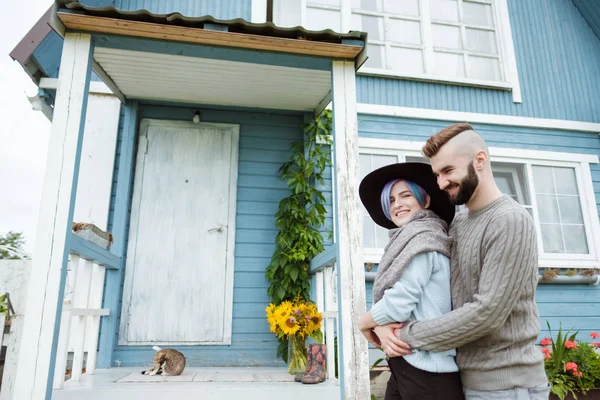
(551, 189)
(464, 41)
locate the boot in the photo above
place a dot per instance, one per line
(316, 371)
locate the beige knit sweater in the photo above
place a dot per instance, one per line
(494, 323)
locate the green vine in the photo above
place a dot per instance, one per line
(301, 214)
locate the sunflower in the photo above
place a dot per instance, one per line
(290, 326)
(314, 323)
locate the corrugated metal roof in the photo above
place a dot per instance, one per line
(237, 25)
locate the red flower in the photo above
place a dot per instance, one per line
(596, 344)
(547, 355)
(571, 366)
(577, 374)
(546, 351)
(594, 335)
(570, 345)
(545, 341)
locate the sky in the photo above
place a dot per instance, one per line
(24, 133)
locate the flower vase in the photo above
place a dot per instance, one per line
(297, 359)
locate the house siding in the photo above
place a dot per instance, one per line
(558, 61)
(264, 144)
(575, 306)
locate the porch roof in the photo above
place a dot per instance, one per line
(203, 60)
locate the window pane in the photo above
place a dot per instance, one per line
(382, 236)
(324, 2)
(565, 180)
(477, 14)
(364, 162)
(570, 210)
(552, 238)
(481, 41)
(370, 162)
(446, 64)
(404, 31)
(512, 181)
(409, 61)
(368, 5)
(484, 68)
(369, 24)
(548, 208)
(375, 59)
(506, 185)
(287, 13)
(446, 36)
(318, 19)
(444, 9)
(575, 239)
(403, 7)
(368, 230)
(543, 180)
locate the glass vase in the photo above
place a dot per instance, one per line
(297, 360)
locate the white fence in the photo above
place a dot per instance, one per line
(80, 320)
(323, 269)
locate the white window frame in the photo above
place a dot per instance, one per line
(504, 41)
(526, 158)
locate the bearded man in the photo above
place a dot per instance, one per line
(494, 323)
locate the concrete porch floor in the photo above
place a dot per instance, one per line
(196, 383)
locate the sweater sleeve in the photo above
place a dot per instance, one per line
(510, 253)
(399, 301)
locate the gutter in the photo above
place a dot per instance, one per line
(592, 280)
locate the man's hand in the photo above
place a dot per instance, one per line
(390, 344)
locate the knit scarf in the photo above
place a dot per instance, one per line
(425, 232)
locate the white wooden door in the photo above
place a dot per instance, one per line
(179, 270)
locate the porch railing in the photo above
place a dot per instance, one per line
(82, 308)
(323, 268)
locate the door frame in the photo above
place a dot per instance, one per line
(234, 130)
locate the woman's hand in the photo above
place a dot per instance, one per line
(390, 344)
(371, 337)
(366, 325)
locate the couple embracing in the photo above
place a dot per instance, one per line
(453, 308)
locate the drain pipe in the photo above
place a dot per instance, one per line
(592, 280)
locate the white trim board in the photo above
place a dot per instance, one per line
(95, 86)
(491, 119)
(504, 152)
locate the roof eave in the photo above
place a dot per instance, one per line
(154, 30)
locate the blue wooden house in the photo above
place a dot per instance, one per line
(212, 93)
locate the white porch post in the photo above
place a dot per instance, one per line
(35, 368)
(353, 356)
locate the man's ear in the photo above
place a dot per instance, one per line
(427, 201)
(480, 160)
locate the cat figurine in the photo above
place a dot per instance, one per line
(167, 362)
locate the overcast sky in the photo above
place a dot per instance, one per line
(24, 133)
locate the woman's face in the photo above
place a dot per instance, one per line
(403, 204)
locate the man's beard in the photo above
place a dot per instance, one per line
(466, 187)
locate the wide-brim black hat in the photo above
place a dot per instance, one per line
(420, 173)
